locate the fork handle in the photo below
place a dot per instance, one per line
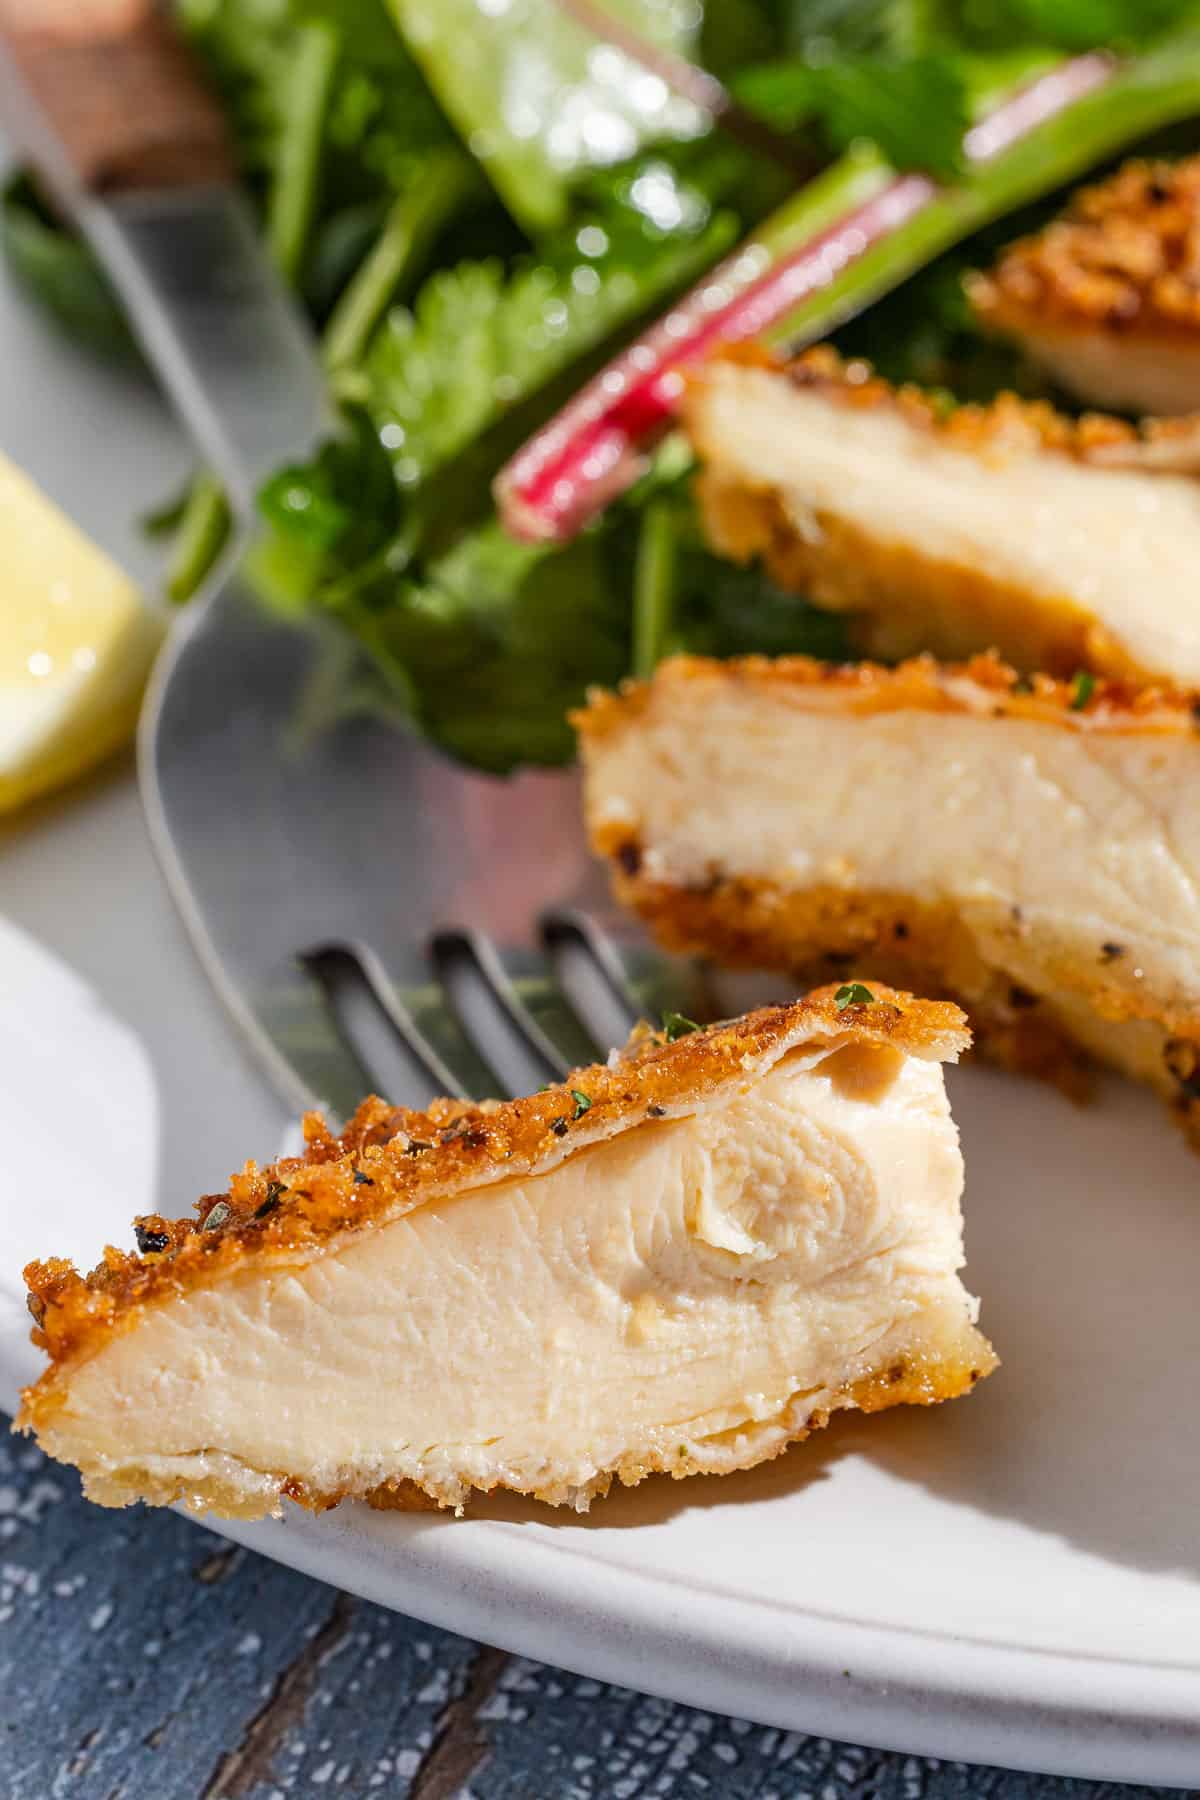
(107, 99)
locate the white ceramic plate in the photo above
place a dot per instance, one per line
(1012, 1579)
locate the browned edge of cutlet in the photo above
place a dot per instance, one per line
(1121, 258)
(1008, 424)
(982, 686)
(390, 1161)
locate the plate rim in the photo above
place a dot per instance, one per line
(943, 1696)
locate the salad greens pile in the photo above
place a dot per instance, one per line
(478, 203)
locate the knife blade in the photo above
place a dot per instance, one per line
(102, 98)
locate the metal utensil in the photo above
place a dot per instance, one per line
(374, 916)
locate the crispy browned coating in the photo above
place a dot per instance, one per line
(390, 1161)
(1006, 423)
(817, 931)
(984, 685)
(1124, 256)
(898, 597)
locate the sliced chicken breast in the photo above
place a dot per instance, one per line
(681, 1261)
(1031, 848)
(1107, 298)
(1063, 545)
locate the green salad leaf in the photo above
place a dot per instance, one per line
(1060, 24)
(914, 108)
(477, 202)
(331, 113)
(479, 339)
(539, 101)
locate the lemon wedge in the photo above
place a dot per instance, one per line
(76, 642)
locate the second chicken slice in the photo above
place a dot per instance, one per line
(1032, 849)
(1063, 545)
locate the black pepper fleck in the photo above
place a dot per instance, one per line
(150, 1242)
(1110, 952)
(656, 1112)
(416, 1146)
(630, 858)
(361, 1180)
(269, 1205)
(453, 1133)
(900, 929)
(1021, 998)
(559, 1127)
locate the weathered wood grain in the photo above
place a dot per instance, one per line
(141, 1658)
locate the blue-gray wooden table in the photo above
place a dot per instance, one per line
(143, 1658)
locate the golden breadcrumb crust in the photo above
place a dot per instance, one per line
(901, 598)
(1125, 256)
(983, 686)
(389, 1161)
(820, 931)
(1006, 424)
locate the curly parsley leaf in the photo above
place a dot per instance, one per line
(479, 339)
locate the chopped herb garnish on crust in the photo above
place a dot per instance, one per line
(853, 994)
(1082, 689)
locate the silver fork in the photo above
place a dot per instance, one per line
(375, 917)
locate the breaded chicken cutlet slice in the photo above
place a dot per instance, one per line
(681, 1261)
(1063, 545)
(1032, 849)
(1106, 299)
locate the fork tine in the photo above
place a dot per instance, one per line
(311, 1063)
(589, 971)
(399, 1062)
(502, 1030)
(434, 1074)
